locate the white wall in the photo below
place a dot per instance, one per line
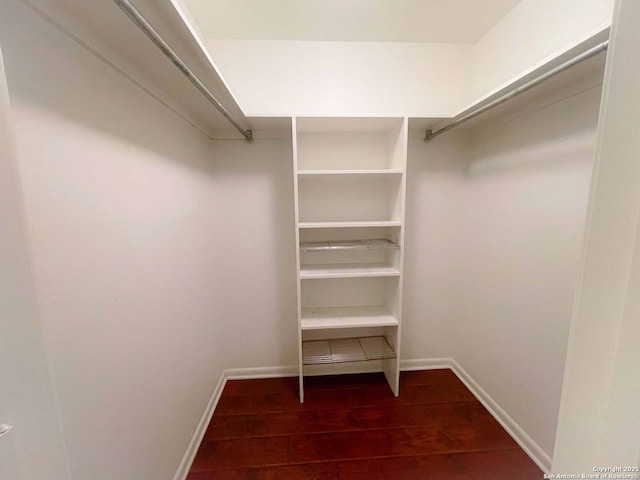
(256, 294)
(523, 211)
(531, 34)
(35, 448)
(121, 198)
(342, 78)
(435, 176)
(600, 420)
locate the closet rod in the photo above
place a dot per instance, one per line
(430, 134)
(127, 7)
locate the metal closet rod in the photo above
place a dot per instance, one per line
(430, 134)
(127, 7)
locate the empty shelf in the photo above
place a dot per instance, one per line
(351, 224)
(347, 245)
(348, 270)
(344, 350)
(346, 317)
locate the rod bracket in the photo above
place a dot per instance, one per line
(427, 135)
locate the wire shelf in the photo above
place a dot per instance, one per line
(342, 245)
(343, 350)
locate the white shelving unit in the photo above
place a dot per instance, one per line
(350, 181)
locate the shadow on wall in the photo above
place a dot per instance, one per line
(568, 148)
(435, 175)
(560, 133)
(257, 246)
(521, 224)
(52, 74)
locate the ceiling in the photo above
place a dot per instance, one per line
(349, 20)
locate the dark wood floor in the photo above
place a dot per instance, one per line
(351, 427)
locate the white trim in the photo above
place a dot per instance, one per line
(535, 452)
(198, 435)
(426, 364)
(261, 372)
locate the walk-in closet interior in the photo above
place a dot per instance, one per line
(194, 191)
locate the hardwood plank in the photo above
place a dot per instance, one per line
(311, 448)
(429, 394)
(366, 444)
(429, 377)
(313, 471)
(250, 452)
(338, 420)
(261, 386)
(455, 413)
(507, 464)
(397, 442)
(373, 395)
(314, 421)
(262, 404)
(289, 385)
(344, 381)
(417, 377)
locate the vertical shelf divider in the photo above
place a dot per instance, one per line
(294, 140)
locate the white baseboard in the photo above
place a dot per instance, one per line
(198, 435)
(262, 372)
(532, 449)
(425, 364)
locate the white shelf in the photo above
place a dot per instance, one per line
(346, 317)
(348, 270)
(351, 224)
(342, 350)
(370, 172)
(348, 245)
